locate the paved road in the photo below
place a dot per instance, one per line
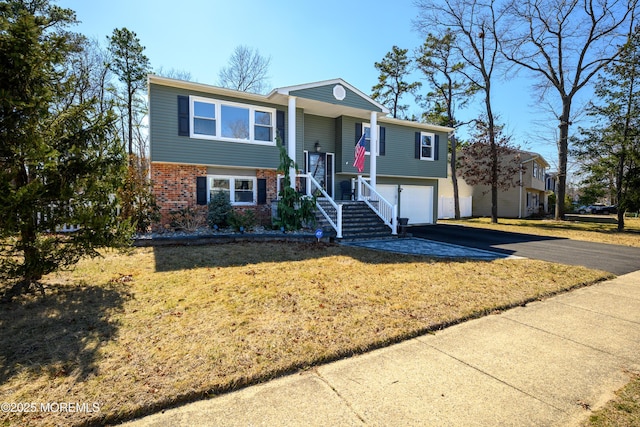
(613, 258)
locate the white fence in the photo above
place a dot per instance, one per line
(446, 207)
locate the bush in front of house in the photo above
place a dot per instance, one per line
(187, 219)
(242, 221)
(219, 209)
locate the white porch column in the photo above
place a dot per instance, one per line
(291, 138)
(373, 148)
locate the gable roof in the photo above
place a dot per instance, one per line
(328, 98)
(334, 91)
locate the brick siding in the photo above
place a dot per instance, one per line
(175, 187)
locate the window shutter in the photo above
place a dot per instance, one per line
(183, 115)
(417, 153)
(382, 142)
(436, 146)
(358, 132)
(262, 191)
(201, 190)
(280, 124)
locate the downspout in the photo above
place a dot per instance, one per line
(291, 140)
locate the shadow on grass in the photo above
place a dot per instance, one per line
(59, 334)
(175, 258)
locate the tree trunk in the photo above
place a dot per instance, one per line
(563, 152)
(619, 183)
(130, 119)
(454, 178)
(494, 165)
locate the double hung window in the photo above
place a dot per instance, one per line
(239, 190)
(426, 145)
(366, 130)
(204, 118)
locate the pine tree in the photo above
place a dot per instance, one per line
(60, 160)
(449, 88)
(394, 68)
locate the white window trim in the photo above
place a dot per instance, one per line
(433, 145)
(232, 188)
(368, 126)
(218, 119)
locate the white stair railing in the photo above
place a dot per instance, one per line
(335, 216)
(385, 210)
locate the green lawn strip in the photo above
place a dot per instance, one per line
(154, 328)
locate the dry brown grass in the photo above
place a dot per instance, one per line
(140, 332)
(587, 231)
(623, 411)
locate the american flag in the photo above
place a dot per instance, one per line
(358, 161)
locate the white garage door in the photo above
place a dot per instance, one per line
(416, 201)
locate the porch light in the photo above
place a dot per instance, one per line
(317, 147)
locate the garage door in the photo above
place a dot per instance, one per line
(416, 201)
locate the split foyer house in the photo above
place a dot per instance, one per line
(205, 139)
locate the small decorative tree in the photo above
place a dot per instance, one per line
(294, 209)
(219, 210)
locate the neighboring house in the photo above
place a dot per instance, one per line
(524, 200)
(205, 139)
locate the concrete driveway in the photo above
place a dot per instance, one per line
(612, 258)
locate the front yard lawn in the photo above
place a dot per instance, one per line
(134, 333)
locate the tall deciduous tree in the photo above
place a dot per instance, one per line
(60, 159)
(131, 65)
(394, 69)
(247, 71)
(610, 150)
(565, 44)
(477, 41)
(437, 60)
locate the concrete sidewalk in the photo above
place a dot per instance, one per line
(547, 364)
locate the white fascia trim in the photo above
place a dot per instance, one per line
(215, 90)
(422, 126)
(287, 89)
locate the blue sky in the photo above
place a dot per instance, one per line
(307, 42)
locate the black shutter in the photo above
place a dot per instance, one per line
(358, 132)
(417, 153)
(436, 147)
(183, 115)
(382, 142)
(201, 190)
(262, 191)
(280, 124)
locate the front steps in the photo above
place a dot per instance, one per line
(359, 222)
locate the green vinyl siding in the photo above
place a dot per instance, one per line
(325, 94)
(167, 146)
(399, 158)
(321, 129)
